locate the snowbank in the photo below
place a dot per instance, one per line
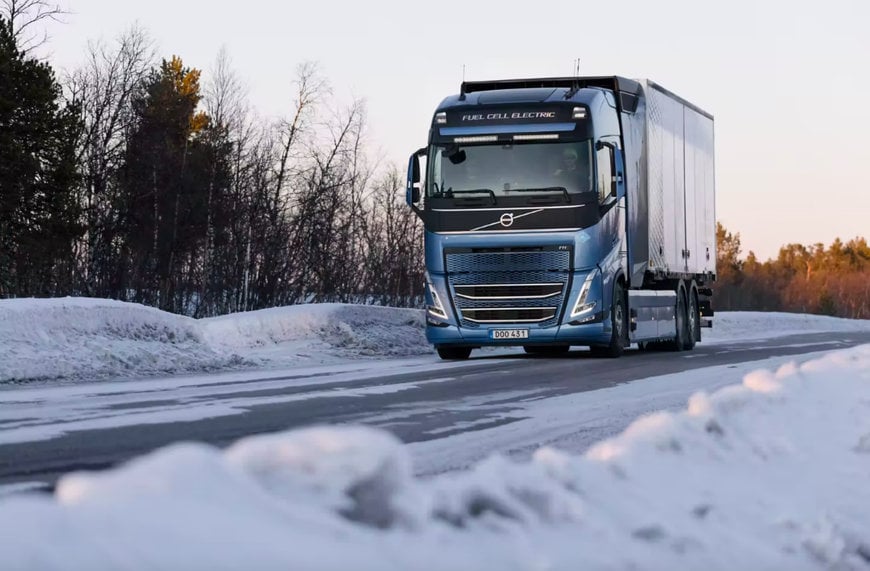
(81, 338)
(771, 474)
(94, 338)
(743, 325)
(89, 339)
(334, 328)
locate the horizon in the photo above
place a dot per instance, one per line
(741, 69)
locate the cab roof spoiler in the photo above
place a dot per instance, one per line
(628, 89)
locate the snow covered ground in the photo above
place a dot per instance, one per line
(81, 339)
(769, 474)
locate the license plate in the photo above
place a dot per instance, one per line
(509, 334)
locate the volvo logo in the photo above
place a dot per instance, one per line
(506, 219)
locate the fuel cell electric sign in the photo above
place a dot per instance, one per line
(495, 116)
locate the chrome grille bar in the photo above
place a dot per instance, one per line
(508, 291)
(509, 314)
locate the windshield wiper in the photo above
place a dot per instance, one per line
(450, 192)
(560, 189)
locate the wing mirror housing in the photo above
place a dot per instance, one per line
(414, 186)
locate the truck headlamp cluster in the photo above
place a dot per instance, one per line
(437, 308)
(581, 306)
(441, 118)
(579, 113)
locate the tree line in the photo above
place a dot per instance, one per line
(832, 280)
(137, 179)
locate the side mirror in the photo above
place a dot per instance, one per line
(618, 174)
(412, 190)
(615, 165)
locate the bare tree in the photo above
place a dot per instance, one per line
(277, 209)
(394, 237)
(322, 237)
(104, 88)
(225, 101)
(24, 15)
(311, 87)
(225, 96)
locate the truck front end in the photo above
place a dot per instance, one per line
(520, 199)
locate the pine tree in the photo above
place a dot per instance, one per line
(166, 185)
(39, 211)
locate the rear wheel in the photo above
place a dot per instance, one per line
(454, 353)
(546, 349)
(693, 322)
(680, 323)
(618, 327)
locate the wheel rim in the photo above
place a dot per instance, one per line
(618, 317)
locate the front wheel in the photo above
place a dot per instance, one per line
(618, 327)
(454, 353)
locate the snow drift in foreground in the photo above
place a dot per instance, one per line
(768, 475)
(83, 338)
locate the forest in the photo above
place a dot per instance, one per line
(132, 178)
(832, 280)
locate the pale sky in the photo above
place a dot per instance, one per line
(787, 81)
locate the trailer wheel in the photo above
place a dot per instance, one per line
(618, 327)
(679, 342)
(454, 353)
(693, 322)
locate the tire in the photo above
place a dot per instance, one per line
(454, 353)
(693, 322)
(679, 342)
(549, 350)
(618, 327)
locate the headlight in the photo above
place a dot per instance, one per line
(581, 306)
(437, 308)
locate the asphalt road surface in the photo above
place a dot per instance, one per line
(86, 429)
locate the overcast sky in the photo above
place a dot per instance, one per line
(787, 81)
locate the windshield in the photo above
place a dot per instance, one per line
(502, 170)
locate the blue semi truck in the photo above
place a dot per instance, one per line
(563, 212)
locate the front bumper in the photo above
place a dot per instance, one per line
(593, 332)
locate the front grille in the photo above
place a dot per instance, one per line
(518, 261)
(510, 314)
(508, 285)
(508, 291)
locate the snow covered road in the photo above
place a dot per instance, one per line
(454, 414)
